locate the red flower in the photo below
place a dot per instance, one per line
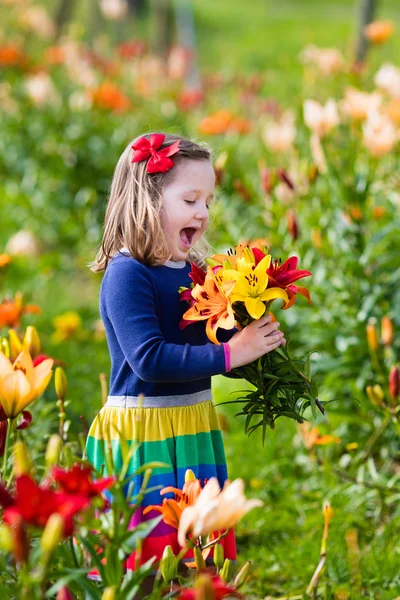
(34, 504)
(77, 480)
(284, 275)
(215, 587)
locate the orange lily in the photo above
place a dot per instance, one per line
(312, 436)
(172, 508)
(212, 303)
(11, 311)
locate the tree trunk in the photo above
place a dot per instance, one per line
(63, 15)
(162, 26)
(367, 12)
(186, 35)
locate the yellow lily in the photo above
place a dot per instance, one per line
(213, 304)
(21, 382)
(251, 283)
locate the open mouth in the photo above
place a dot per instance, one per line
(187, 235)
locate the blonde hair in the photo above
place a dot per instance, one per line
(132, 218)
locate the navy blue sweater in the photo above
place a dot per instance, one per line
(150, 355)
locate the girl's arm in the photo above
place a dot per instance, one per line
(129, 303)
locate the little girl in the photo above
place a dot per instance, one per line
(160, 386)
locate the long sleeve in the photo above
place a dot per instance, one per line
(129, 301)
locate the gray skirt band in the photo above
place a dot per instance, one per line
(158, 401)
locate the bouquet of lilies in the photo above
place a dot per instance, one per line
(238, 288)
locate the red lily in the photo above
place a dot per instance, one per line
(77, 480)
(218, 588)
(197, 275)
(284, 275)
(34, 504)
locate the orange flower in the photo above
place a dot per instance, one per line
(312, 436)
(109, 96)
(355, 213)
(11, 311)
(171, 509)
(54, 55)
(387, 330)
(5, 259)
(379, 32)
(11, 56)
(216, 123)
(223, 121)
(378, 212)
(212, 303)
(392, 110)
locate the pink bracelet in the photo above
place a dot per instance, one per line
(227, 352)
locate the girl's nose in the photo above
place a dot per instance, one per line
(202, 213)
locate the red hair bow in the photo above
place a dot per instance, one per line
(159, 161)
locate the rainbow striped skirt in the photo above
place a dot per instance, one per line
(182, 437)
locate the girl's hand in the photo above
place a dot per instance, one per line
(254, 341)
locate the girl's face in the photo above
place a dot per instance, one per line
(186, 201)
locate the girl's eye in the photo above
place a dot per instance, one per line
(190, 201)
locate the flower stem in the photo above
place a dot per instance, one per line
(6, 446)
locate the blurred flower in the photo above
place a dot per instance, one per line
(37, 20)
(388, 80)
(215, 510)
(292, 224)
(316, 238)
(190, 98)
(131, 49)
(392, 110)
(223, 121)
(43, 502)
(23, 243)
(327, 60)
(178, 63)
(109, 96)
(372, 335)
(21, 382)
(394, 382)
(378, 212)
(64, 594)
(78, 65)
(114, 10)
(358, 105)
(321, 119)
(208, 588)
(387, 330)
(12, 56)
(379, 32)
(283, 193)
(11, 311)
(279, 135)
(318, 153)
(312, 436)
(78, 480)
(379, 134)
(376, 395)
(41, 90)
(54, 55)
(66, 325)
(5, 260)
(355, 213)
